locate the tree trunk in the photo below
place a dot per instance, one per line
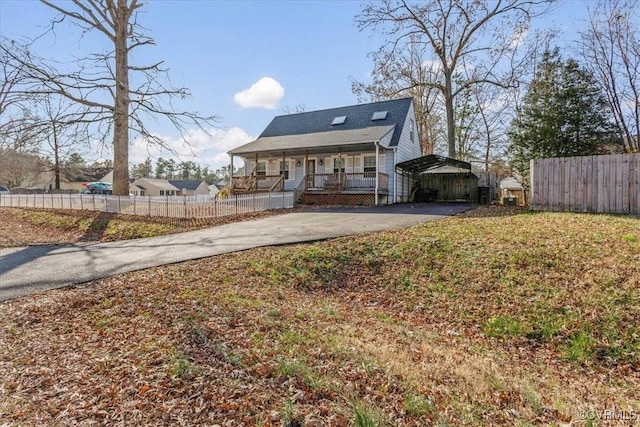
(56, 158)
(451, 130)
(121, 107)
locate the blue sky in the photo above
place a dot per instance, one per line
(290, 52)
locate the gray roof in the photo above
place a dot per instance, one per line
(431, 161)
(189, 184)
(316, 125)
(315, 140)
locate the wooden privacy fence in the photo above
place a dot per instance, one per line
(606, 184)
(166, 207)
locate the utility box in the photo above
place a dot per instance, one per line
(510, 201)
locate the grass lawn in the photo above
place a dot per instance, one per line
(494, 317)
(19, 227)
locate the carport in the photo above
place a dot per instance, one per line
(438, 178)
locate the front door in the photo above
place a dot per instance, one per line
(311, 170)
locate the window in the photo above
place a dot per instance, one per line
(339, 120)
(338, 165)
(261, 169)
(369, 164)
(411, 131)
(379, 115)
(284, 170)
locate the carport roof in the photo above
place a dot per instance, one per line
(431, 161)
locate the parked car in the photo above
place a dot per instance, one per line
(98, 188)
(4, 190)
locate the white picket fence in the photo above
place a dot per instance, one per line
(167, 207)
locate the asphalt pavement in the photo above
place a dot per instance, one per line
(24, 270)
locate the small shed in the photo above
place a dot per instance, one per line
(440, 178)
(511, 192)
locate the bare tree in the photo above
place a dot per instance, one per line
(402, 73)
(64, 131)
(611, 48)
(119, 96)
(297, 109)
(482, 34)
(14, 115)
(20, 168)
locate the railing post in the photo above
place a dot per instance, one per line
(236, 204)
(184, 200)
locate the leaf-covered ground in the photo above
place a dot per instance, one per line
(495, 317)
(20, 227)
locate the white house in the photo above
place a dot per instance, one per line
(345, 155)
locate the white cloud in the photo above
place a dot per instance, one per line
(265, 93)
(519, 37)
(207, 148)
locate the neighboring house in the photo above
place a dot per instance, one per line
(70, 181)
(345, 155)
(153, 187)
(77, 181)
(162, 187)
(214, 189)
(108, 177)
(191, 187)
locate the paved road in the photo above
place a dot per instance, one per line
(29, 269)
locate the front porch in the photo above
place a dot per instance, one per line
(355, 174)
(349, 188)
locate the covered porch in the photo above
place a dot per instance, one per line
(320, 173)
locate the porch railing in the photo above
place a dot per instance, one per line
(258, 182)
(346, 181)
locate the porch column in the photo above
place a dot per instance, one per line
(283, 169)
(231, 171)
(255, 168)
(377, 171)
(340, 166)
(304, 169)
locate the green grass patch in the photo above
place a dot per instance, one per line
(580, 347)
(416, 405)
(502, 326)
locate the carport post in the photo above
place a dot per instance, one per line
(395, 176)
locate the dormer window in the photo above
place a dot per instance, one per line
(339, 120)
(379, 115)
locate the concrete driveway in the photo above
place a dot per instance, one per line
(29, 269)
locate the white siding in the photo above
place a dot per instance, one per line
(408, 149)
(405, 150)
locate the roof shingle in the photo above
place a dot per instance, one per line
(285, 131)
